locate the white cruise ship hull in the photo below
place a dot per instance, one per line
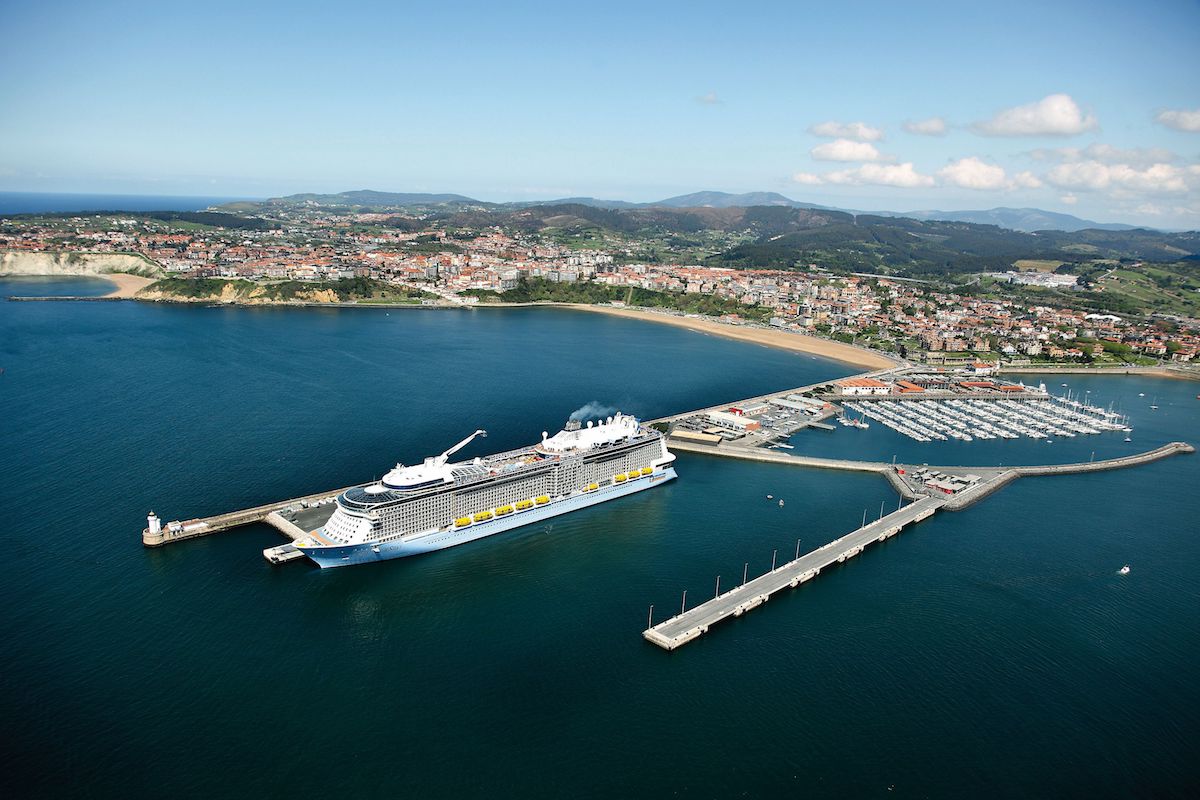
(347, 555)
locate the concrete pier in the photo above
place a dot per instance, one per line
(272, 514)
(684, 627)
(689, 624)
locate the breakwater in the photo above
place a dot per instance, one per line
(976, 483)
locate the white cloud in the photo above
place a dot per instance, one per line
(1180, 119)
(1026, 180)
(1097, 176)
(1053, 115)
(1068, 199)
(807, 179)
(1106, 153)
(1139, 155)
(974, 173)
(901, 175)
(846, 150)
(934, 126)
(709, 99)
(858, 131)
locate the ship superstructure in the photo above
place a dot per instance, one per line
(438, 503)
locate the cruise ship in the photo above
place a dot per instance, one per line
(438, 503)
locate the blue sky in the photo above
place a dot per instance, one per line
(1089, 108)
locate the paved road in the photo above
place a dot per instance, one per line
(762, 398)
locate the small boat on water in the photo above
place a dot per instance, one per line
(770, 497)
(781, 503)
(1123, 570)
(1141, 394)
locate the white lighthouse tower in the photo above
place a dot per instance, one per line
(153, 524)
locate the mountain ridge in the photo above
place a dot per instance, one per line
(1025, 220)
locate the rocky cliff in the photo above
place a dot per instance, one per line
(23, 262)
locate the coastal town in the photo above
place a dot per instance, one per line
(905, 317)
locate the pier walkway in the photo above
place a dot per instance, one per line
(689, 624)
(206, 526)
(684, 627)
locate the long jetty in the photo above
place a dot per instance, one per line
(691, 623)
(206, 526)
(694, 622)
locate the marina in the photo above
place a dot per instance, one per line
(968, 418)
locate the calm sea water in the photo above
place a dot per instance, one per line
(39, 202)
(993, 652)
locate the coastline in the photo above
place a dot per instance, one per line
(127, 286)
(132, 287)
(783, 340)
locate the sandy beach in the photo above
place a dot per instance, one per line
(127, 285)
(770, 338)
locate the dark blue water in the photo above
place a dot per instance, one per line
(40, 203)
(991, 652)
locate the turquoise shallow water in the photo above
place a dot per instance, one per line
(990, 652)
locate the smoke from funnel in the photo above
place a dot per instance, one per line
(593, 410)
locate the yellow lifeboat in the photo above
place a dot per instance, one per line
(591, 487)
(634, 475)
(541, 500)
(647, 470)
(619, 478)
(482, 516)
(503, 511)
(524, 504)
(462, 522)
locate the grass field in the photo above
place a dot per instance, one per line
(1036, 265)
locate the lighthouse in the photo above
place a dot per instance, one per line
(152, 535)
